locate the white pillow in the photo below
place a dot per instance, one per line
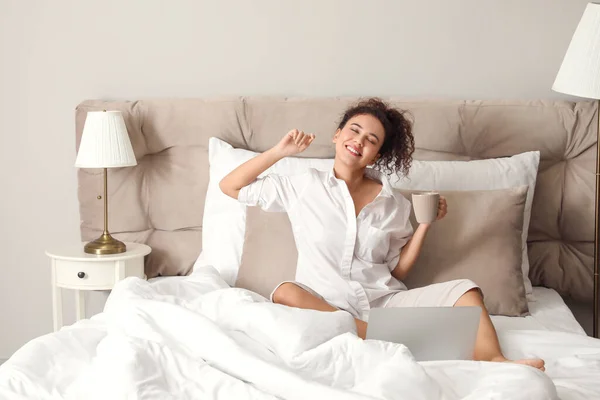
(224, 218)
(496, 173)
(224, 221)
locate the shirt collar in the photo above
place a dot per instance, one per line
(331, 179)
(386, 190)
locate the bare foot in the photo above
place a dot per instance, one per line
(532, 362)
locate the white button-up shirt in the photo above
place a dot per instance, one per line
(345, 258)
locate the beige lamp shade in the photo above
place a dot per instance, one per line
(105, 142)
(579, 74)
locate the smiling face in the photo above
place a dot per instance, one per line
(357, 144)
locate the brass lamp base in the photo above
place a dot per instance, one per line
(105, 244)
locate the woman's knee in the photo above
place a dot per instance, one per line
(471, 297)
(471, 287)
(474, 292)
(285, 293)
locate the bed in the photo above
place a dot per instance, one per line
(195, 330)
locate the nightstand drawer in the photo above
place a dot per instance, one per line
(77, 274)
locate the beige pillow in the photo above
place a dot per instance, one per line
(479, 239)
(269, 255)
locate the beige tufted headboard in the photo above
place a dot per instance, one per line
(160, 201)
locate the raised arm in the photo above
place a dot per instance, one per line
(292, 143)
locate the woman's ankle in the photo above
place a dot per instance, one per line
(361, 328)
(493, 357)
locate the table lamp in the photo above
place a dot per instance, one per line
(105, 144)
(579, 75)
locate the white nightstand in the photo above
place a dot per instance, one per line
(72, 268)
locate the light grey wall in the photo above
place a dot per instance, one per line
(56, 53)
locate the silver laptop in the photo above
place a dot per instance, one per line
(430, 333)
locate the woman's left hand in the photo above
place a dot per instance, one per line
(442, 208)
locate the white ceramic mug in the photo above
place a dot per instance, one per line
(425, 206)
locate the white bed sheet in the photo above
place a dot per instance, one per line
(548, 313)
(193, 337)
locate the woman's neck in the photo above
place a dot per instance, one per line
(353, 178)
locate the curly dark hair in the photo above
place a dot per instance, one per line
(398, 144)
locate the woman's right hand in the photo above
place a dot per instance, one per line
(294, 142)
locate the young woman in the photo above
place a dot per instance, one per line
(354, 238)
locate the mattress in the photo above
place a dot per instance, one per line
(548, 312)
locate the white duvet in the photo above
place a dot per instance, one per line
(196, 338)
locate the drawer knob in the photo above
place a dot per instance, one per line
(81, 275)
